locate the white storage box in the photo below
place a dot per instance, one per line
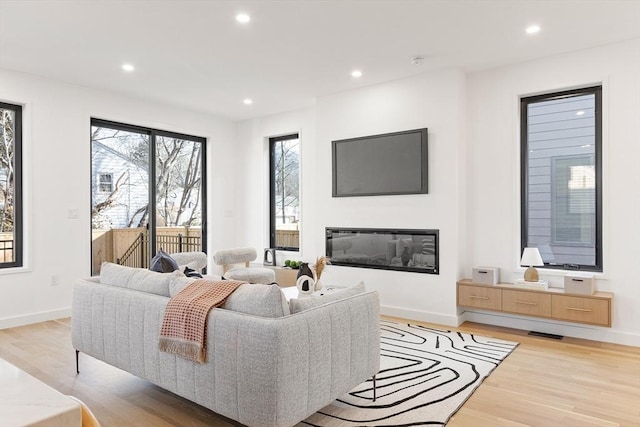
(579, 283)
(486, 275)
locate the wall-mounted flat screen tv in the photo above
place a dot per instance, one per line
(388, 164)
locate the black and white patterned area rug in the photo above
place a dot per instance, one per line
(426, 374)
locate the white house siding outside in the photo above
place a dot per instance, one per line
(132, 194)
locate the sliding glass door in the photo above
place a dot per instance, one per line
(147, 193)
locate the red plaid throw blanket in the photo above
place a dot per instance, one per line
(184, 326)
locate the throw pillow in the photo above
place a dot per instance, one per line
(259, 300)
(297, 305)
(163, 263)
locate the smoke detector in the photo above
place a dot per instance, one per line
(417, 60)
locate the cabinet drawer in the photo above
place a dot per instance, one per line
(480, 297)
(531, 303)
(581, 309)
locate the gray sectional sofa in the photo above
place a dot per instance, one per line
(272, 369)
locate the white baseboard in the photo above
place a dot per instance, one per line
(27, 319)
(423, 316)
(595, 333)
(588, 332)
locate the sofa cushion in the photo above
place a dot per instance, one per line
(297, 305)
(250, 298)
(178, 282)
(138, 279)
(163, 263)
(259, 300)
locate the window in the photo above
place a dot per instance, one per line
(149, 193)
(284, 155)
(561, 177)
(10, 185)
(105, 183)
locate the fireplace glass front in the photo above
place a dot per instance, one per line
(388, 249)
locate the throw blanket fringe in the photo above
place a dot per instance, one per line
(184, 325)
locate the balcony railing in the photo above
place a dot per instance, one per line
(6, 250)
(129, 246)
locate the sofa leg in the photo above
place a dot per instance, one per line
(374, 388)
(77, 365)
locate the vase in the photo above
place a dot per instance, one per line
(306, 286)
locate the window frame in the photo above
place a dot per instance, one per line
(272, 191)
(18, 218)
(524, 184)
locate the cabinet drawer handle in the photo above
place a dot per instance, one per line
(585, 310)
(477, 297)
(526, 303)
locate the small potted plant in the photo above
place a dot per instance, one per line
(292, 264)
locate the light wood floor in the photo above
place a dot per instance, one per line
(543, 383)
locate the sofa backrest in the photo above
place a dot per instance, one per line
(256, 299)
(250, 298)
(137, 279)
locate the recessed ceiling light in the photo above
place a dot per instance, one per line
(532, 29)
(356, 73)
(579, 113)
(128, 67)
(248, 101)
(243, 18)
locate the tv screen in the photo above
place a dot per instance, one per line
(388, 164)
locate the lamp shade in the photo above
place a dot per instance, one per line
(531, 257)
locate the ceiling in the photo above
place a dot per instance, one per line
(195, 55)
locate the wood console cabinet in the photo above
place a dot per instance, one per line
(552, 304)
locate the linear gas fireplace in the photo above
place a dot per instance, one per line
(388, 249)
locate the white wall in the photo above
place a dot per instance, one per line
(432, 100)
(253, 198)
(57, 179)
(494, 197)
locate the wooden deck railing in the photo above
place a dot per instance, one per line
(136, 254)
(6, 250)
(288, 238)
(129, 246)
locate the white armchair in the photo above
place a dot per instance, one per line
(229, 260)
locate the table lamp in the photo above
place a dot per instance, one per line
(530, 258)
